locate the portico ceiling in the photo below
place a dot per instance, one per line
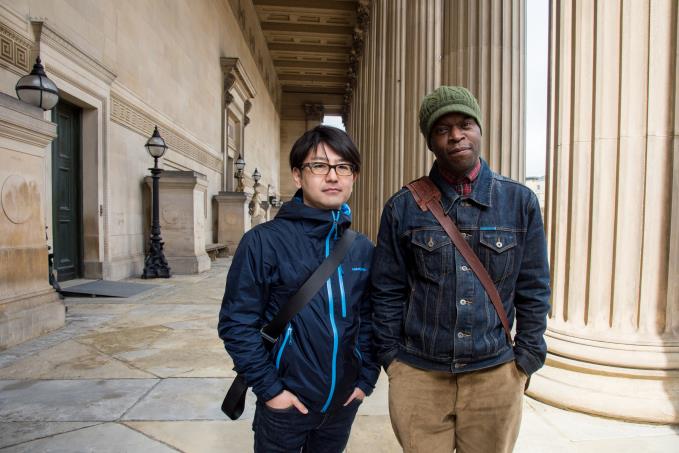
(310, 42)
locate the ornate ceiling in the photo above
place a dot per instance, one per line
(313, 43)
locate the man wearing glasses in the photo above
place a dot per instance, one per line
(309, 386)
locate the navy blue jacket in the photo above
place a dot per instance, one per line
(326, 350)
(430, 309)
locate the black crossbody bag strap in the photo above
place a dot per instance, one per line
(234, 401)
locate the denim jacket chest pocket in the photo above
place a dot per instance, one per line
(433, 253)
(497, 250)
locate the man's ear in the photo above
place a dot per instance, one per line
(297, 177)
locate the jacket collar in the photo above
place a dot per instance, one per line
(316, 222)
(481, 189)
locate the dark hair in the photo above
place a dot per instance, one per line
(335, 138)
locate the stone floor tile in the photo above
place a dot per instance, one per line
(577, 426)
(70, 400)
(201, 436)
(378, 402)
(645, 444)
(104, 438)
(167, 352)
(372, 433)
(12, 433)
(538, 435)
(186, 399)
(70, 360)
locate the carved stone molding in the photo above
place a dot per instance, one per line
(313, 111)
(15, 50)
(247, 106)
(46, 34)
(357, 44)
(135, 119)
(256, 42)
(18, 198)
(236, 77)
(23, 122)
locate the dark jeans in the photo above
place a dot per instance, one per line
(290, 431)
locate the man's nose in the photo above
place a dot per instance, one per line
(455, 134)
(332, 175)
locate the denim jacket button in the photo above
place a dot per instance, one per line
(464, 268)
(463, 302)
(460, 335)
(498, 244)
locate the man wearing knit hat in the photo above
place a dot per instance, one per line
(444, 304)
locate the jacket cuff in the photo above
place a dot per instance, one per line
(271, 392)
(367, 388)
(527, 362)
(386, 358)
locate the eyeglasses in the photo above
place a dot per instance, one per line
(321, 168)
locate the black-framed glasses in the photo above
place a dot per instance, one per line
(321, 168)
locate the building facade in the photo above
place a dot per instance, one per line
(224, 79)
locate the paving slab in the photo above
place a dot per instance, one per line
(372, 433)
(577, 426)
(104, 438)
(179, 399)
(201, 436)
(70, 360)
(166, 352)
(70, 400)
(13, 433)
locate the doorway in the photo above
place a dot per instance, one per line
(67, 192)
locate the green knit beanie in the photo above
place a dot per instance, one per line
(444, 100)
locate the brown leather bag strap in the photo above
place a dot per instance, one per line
(428, 198)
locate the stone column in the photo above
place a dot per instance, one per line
(182, 220)
(424, 31)
(233, 218)
(484, 50)
(29, 306)
(613, 210)
(409, 48)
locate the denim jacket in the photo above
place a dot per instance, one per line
(430, 309)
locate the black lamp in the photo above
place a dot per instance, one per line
(37, 89)
(240, 165)
(155, 264)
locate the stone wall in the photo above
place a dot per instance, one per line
(131, 65)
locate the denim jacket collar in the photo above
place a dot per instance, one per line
(480, 192)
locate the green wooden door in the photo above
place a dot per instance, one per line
(66, 192)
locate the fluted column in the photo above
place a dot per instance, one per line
(484, 50)
(424, 30)
(410, 48)
(613, 210)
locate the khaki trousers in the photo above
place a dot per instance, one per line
(475, 412)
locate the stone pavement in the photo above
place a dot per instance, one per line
(147, 374)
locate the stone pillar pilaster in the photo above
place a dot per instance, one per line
(484, 50)
(29, 306)
(233, 218)
(612, 210)
(182, 220)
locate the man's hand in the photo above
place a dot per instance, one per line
(356, 394)
(285, 400)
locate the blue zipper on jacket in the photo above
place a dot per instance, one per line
(285, 343)
(331, 309)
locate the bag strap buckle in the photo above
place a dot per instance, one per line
(267, 337)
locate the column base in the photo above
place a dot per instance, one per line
(189, 264)
(30, 316)
(640, 395)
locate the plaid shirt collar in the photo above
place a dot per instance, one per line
(463, 185)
